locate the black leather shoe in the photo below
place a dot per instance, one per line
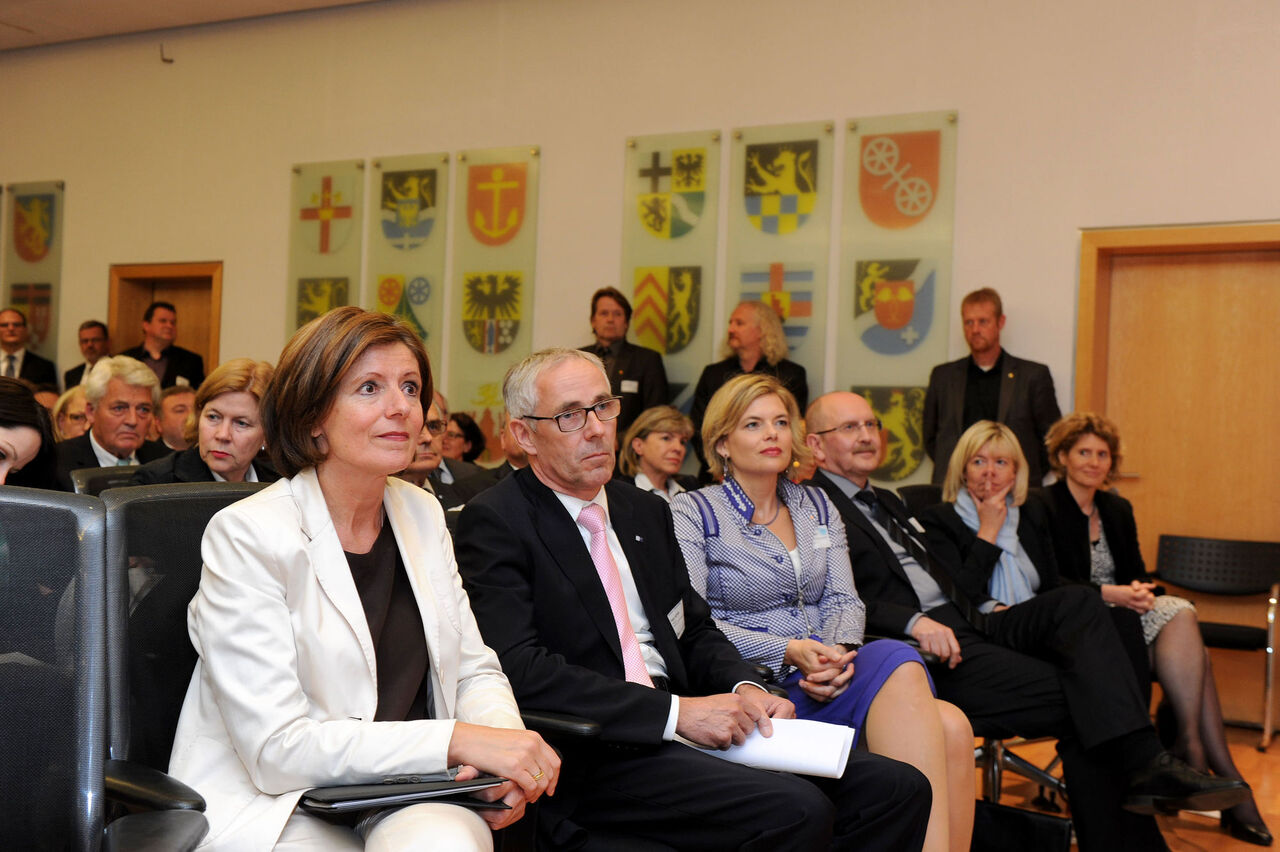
(1166, 783)
(1249, 832)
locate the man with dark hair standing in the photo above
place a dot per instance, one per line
(988, 384)
(636, 373)
(16, 360)
(578, 584)
(95, 343)
(173, 365)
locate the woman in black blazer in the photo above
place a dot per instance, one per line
(1095, 540)
(224, 431)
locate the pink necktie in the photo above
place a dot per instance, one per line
(592, 520)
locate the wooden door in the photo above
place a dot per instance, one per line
(1179, 345)
(194, 290)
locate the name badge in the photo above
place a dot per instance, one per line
(821, 538)
(630, 386)
(676, 618)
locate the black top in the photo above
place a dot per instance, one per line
(982, 392)
(1070, 531)
(399, 641)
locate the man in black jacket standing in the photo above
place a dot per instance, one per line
(636, 373)
(172, 364)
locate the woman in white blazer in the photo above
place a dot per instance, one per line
(313, 597)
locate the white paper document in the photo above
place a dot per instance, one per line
(797, 745)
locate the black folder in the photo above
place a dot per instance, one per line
(356, 797)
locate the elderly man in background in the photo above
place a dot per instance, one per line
(121, 395)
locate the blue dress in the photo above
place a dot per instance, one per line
(761, 601)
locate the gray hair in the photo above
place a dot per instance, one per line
(520, 386)
(131, 371)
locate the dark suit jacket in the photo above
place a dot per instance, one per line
(450, 493)
(182, 363)
(1069, 528)
(791, 374)
(187, 466)
(77, 453)
(971, 560)
(643, 366)
(37, 370)
(540, 605)
(74, 376)
(1028, 406)
(882, 584)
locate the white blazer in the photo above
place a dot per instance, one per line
(284, 693)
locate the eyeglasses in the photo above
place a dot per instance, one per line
(456, 436)
(436, 427)
(575, 418)
(872, 425)
(13, 325)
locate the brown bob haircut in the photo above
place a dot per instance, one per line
(235, 376)
(312, 367)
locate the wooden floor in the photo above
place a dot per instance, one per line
(1186, 832)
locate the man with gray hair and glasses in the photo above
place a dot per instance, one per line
(578, 584)
(121, 396)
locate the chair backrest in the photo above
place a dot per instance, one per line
(52, 669)
(94, 480)
(153, 550)
(920, 497)
(1219, 566)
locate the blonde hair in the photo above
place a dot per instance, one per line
(1064, 434)
(974, 439)
(235, 376)
(60, 408)
(732, 400)
(660, 418)
(773, 340)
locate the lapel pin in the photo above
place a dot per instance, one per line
(639, 538)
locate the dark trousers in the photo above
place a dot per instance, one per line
(674, 797)
(1033, 690)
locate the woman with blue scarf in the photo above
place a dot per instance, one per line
(771, 558)
(1003, 546)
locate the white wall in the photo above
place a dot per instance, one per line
(1082, 114)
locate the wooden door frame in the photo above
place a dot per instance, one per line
(1098, 251)
(212, 270)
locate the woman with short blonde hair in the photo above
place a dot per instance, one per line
(653, 450)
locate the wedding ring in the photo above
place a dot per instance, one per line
(538, 776)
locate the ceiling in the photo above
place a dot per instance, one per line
(31, 23)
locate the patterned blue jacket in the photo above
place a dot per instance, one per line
(744, 572)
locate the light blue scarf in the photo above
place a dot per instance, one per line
(1015, 578)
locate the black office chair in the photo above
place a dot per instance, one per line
(153, 550)
(54, 766)
(94, 480)
(1226, 567)
(920, 497)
